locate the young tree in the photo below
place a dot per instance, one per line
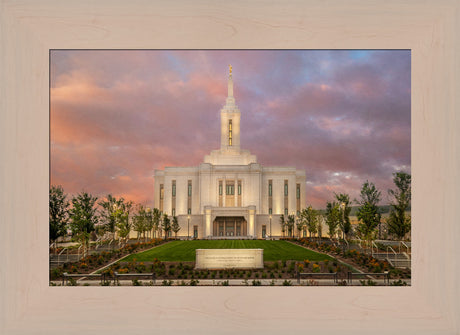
(175, 226)
(140, 221)
(122, 218)
(300, 224)
(107, 214)
(156, 214)
(58, 213)
(399, 222)
(321, 219)
(283, 224)
(290, 225)
(332, 217)
(149, 224)
(83, 218)
(368, 214)
(311, 218)
(344, 224)
(166, 225)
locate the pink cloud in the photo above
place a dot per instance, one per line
(117, 116)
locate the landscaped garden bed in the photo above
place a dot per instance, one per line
(359, 260)
(93, 262)
(173, 263)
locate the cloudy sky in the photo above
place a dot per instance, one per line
(116, 116)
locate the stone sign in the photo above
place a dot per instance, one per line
(229, 259)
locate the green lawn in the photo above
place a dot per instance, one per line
(184, 251)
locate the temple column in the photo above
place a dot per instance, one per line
(208, 230)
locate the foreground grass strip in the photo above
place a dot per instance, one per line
(184, 251)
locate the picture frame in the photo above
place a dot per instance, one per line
(30, 29)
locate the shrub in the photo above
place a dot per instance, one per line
(194, 282)
(368, 282)
(398, 283)
(316, 268)
(105, 283)
(166, 282)
(287, 283)
(225, 283)
(256, 283)
(56, 273)
(312, 282)
(136, 282)
(72, 282)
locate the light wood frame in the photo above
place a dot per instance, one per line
(30, 28)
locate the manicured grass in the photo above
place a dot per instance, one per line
(177, 251)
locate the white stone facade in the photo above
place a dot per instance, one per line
(229, 195)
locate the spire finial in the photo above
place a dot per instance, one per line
(230, 68)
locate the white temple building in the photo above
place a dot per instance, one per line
(229, 195)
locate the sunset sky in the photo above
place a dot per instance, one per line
(116, 116)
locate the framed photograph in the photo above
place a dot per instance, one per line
(289, 160)
(30, 30)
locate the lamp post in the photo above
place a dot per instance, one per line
(188, 227)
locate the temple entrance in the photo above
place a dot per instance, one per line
(230, 226)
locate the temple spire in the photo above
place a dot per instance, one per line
(230, 82)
